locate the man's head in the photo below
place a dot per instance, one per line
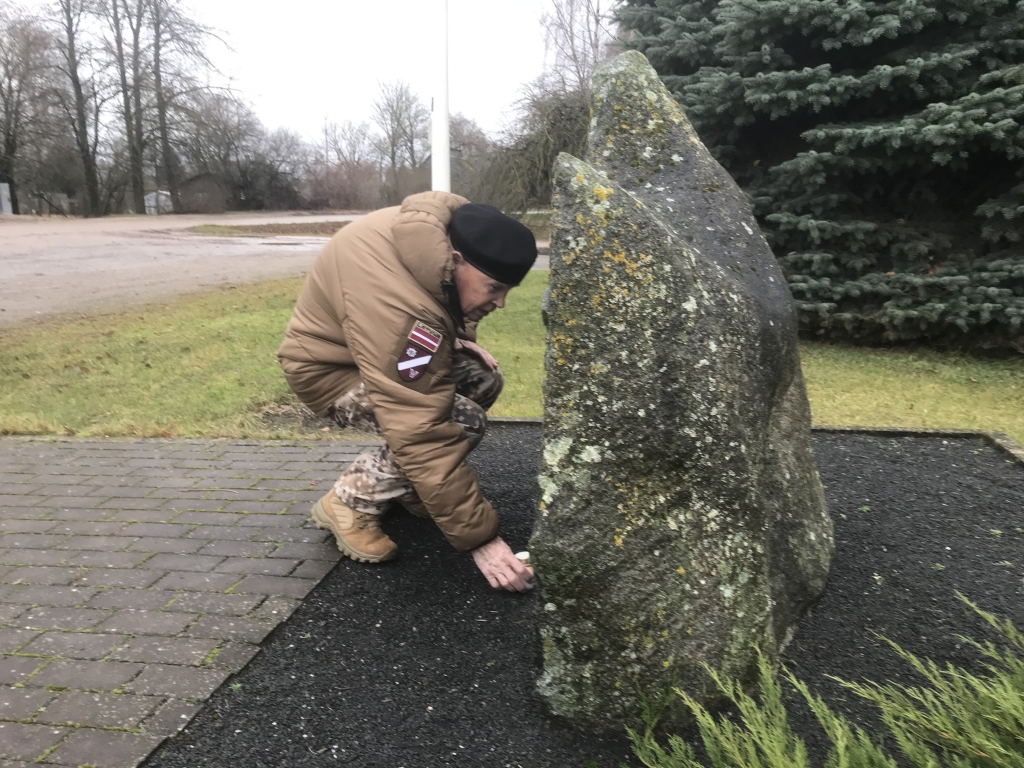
(492, 254)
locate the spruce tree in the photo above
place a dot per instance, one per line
(882, 144)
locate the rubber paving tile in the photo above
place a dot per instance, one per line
(418, 663)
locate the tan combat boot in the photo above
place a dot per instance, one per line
(358, 534)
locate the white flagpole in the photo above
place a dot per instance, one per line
(440, 145)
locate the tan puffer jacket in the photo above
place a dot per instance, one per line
(373, 281)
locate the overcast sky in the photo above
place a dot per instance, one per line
(300, 62)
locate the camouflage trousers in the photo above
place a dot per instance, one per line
(375, 479)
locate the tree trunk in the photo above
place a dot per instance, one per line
(80, 124)
(134, 154)
(167, 154)
(136, 27)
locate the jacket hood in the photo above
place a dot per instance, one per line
(420, 231)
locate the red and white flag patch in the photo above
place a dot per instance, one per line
(420, 346)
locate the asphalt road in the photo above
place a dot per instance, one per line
(55, 266)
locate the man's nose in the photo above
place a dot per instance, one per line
(500, 302)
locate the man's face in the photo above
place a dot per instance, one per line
(479, 294)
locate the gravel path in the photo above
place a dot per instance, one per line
(419, 664)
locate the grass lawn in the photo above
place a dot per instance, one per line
(204, 366)
(307, 228)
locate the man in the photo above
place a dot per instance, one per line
(383, 339)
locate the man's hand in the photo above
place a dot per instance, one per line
(476, 349)
(501, 568)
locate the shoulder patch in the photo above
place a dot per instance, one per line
(420, 346)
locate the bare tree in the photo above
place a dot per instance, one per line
(579, 34)
(81, 105)
(117, 13)
(24, 45)
(179, 47)
(401, 119)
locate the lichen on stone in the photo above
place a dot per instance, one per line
(682, 521)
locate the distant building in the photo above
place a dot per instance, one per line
(6, 207)
(158, 202)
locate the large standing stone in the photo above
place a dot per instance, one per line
(682, 518)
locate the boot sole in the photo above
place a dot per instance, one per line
(323, 522)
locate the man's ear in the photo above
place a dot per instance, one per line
(457, 258)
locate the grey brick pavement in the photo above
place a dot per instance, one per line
(136, 576)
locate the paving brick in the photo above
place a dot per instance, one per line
(170, 718)
(126, 489)
(25, 526)
(174, 546)
(51, 490)
(99, 710)
(132, 599)
(68, 512)
(198, 582)
(27, 742)
(313, 569)
(274, 521)
(144, 515)
(31, 540)
(10, 611)
(22, 703)
(179, 504)
(88, 528)
(293, 496)
(15, 669)
(275, 609)
(222, 533)
(161, 530)
(86, 675)
(12, 500)
(42, 574)
(121, 502)
(147, 622)
(121, 577)
(225, 483)
(63, 478)
(108, 559)
(325, 550)
(184, 562)
(272, 508)
(30, 594)
(268, 566)
(285, 586)
(234, 656)
(213, 602)
(238, 548)
(204, 518)
(104, 749)
(182, 682)
(23, 513)
(301, 535)
(74, 645)
(233, 496)
(231, 628)
(166, 650)
(33, 556)
(62, 618)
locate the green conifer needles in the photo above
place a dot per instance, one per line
(882, 144)
(957, 719)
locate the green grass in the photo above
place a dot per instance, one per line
(199, 366)
(515, 336)
(204, 365)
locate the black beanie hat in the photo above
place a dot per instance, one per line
(499, 246)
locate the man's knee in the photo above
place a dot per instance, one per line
(476, 380)
(471, 417)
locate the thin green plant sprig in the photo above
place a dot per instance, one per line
(956, 720)
(959, 719)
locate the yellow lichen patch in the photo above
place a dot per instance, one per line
(680, 570)
(579, 178)
(618, 541)
(601, 193)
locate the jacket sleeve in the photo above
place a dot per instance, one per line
(416, 420)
